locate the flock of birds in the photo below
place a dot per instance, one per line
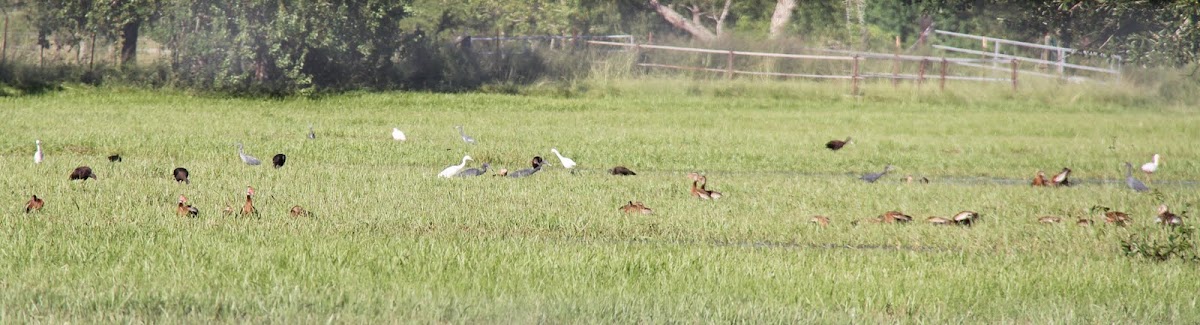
(698, 190)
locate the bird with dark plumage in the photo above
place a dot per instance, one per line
(872, 177)
(471, 172)
(82, 173)
(537, 163)
(1039, 179)
(836, 145)
(114, 158)
(181, 175)
(1133, 183)
(185, 209)
(1061, 178)
(279, 160)
(248, 207)
(621, 171)
(298, 211)
(34, 204)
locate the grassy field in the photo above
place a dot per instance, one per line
(391, 242)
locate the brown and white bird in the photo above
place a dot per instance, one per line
(823, 221)
(82, 173)
(704, 187)
(185, 209)
(836, 145)
(248, 207)
(965, 218)
(1166, 218)
(1083, 222)
(297, 211)
(1040, 179)
(1117, 217)
(1049, 219)
(636, 207)
(1062, 178)
(893, 217)
(697, 192)
(34, 204)
(939, 221)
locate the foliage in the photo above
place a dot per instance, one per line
(1167, 244)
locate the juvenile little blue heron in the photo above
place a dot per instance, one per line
(466, 138)
(279, 160)
(398, 135)
(872, 177)
(38, 156)
(181, 175)
(1133, 183)
(471, 172)
(248, 159)
(452, 170)
(1150, 167)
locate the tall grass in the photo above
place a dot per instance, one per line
(390, 241)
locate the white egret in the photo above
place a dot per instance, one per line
(452, 170)
(311, 134)
(1150, 167)
(398, 135)
(566, 162)
(38, 156)
(248, 159)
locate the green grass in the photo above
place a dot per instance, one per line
(391, 242)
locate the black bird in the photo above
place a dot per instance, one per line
(837, 144)
(474, 171)
(114, 158)
(279, 159)
(82, 173)
(181, 175)
(622, 171)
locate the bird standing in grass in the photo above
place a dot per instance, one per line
(466, 138)
(248, 207)
(38, 156)
(279, 160)
(1150, 167)
(82, 173)
(1133, 183)
(398, 135)
(185, 209)
(34, 204)
(311, 135)
(872, 177)
(566, 162)
(537, 163)
(471, 172)
(452, 170)
(836, 145)
(114, 158)
(248, 159)
(181, 175)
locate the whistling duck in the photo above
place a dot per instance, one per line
(537, 163)
(1133, 183)
(938, 221)
(248, 159)
(470, 172)
(1083, 222)
(1049, 219)
(466, 138)
(297, 211)
(1117, 217)
(823, 221)
(82, 173)
(872, 177)
(1061, 178)
(114, 158)
(228, 210)
(181, 175)
(279, 160)
(398, 135)
(501, 172)
(453, 169)
(1167, 218)
(636, 207)
(965, 218)
(621, 171)
(38, 156)
(248, 208)
(699, 193)
(1040, 179)
(185, 209)
(909, 179)
(835, 145)
(694, 176)
(704, 187)
(311, 135)
(894, 217)
(566, 162)
(34, 204)
(1150, 167)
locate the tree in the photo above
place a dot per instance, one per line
(781, 17)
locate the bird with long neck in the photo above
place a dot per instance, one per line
(34, 204)
(453, 170)
(566, 162)
(537, 163)
(185, 209)
(248, 207)
(704, 187)
(697, 192)
(1133, 183)
(38, 155)
(472, 172)
(872, 177)
(1166, 218)
(1150, 167)
(466, 138)
(248, 159)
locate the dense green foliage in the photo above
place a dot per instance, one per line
(390, 241)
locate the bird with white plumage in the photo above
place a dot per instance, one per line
(566, 162)
(452, 170)
(1150, 167)
(38, 156)
(398, 135)
(248, 159)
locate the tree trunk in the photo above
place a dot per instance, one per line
(721, 19)
(677, 20)
(781, 17)
(129, 38)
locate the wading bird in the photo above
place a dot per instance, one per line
(537, 163)
(1061, 178)
(566, 162)
(398, 135)
(1150, 167)
(1166, 218)
(452, 170)
(872, 177)
(34, 204)
(1133, 183)
(636, 207)
(82, 173)
(181, 175)
(297, 211)
(114, 158)
(248, 159)
(248, 207)
(471, 172)
(185, 209)
(279, 160)
(311, 134)
(1040, 179)
(38, 156)
(1049, 219)
(822, 221)
(621, 171)
(836, 145)
(466, 138)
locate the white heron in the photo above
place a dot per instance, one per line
(566, 162)
(1150, 167)
(248, 159)
(398, 135)
(452, 170)
(466, 138)
(311, 134)
(38, 156)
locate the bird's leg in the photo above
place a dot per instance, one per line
(1150, 178)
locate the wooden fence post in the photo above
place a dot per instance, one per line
(854, 78)
(896, 70)
(921, 72)
(729, 66)
(4, 46)
(1014, 74)
(942, 85)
